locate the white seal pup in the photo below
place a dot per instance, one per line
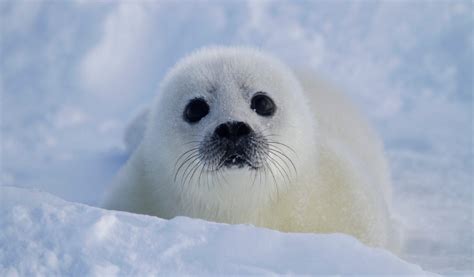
(234, 136)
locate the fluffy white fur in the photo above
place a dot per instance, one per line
(341, 182)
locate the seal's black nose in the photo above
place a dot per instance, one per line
(233, 130)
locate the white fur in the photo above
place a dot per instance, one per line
(341, 183)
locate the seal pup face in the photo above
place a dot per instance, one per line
(232, 144)
(235, 120)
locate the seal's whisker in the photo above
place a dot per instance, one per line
(223, 177)
(191, 172)
(190, 164)
(282, 144)
(285, 159)
(192, 141)
(277, 150)
(280, 168)
(199, 165)
(200, 173)
(274, 179)
(180, 183)
(192, 150)
(220, 177)
(254, 177)
(214, 177)
(190, 157)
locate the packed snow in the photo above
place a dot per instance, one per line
(44, 235)
(73, 73)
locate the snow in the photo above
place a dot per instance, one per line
(72, 74)
(44, 235)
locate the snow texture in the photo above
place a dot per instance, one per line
(44, 235)
(73, 73)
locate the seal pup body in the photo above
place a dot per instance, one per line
(234, 136)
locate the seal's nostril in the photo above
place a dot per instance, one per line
(233, 130)
(223, 130)
(240, 128)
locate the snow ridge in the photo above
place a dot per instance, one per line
(44, 235)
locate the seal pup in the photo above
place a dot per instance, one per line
(235, 136)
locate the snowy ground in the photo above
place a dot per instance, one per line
(73, 73)
(45, 235)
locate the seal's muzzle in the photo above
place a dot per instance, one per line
(235, 140)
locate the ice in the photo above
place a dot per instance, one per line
(72, 74)
(42, 234)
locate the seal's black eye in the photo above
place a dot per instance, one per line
(263, 105)
(195, 110)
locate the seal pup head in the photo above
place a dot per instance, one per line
(228, 121)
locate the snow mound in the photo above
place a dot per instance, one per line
(42, 234)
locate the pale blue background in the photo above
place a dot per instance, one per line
(73, 74)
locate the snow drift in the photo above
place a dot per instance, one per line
(44, 235)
